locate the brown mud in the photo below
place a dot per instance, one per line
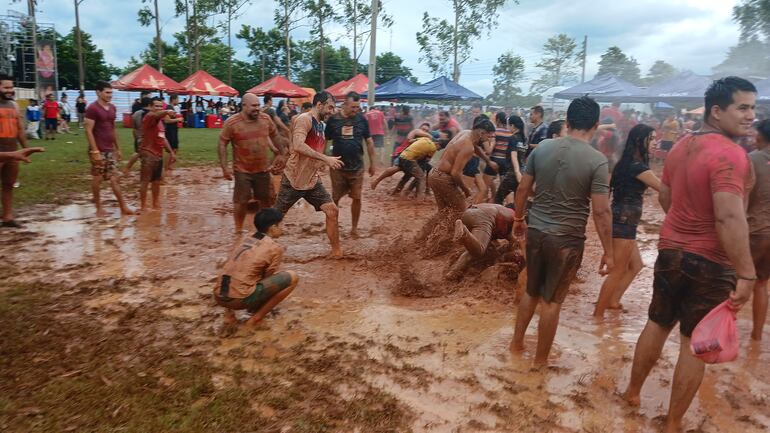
(377, 341)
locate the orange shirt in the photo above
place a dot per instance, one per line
(251, 142)
(251, 261)
(301, 170)
(9, 126)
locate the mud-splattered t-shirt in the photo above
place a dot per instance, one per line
(251, 261)
(9, 126)
(251, 142)
(698, 166)
(301, 170)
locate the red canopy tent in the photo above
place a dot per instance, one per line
(147, 78)
(358, 84)
(280, 87)
(202, 83)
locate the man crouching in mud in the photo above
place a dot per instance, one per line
(249, 279)
(569, 173)
(478, 226)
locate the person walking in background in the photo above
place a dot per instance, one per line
(670, 131)
(377, 127)
(33, 120)
(65, 116)
(80, 107)
(51, 114)
(172, 131)
(759, 224)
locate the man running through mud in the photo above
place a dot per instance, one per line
(12, 134)
(478, 226)
(704, 256)
(103, 147)
(570, 176)
(301, 178)
(348, 130)
(250, 279)
(252, 134)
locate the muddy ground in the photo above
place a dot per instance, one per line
(108, 325)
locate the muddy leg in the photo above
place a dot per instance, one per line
(275, 300)
(355, 212)
(131, 162)
(635, 266)
(155, 194)
(124, 209)
(687, 379)
(332, 228)
(96, 183)
(143, 185)
(523, 317)
(546, 331)
(9, 173)
(388, 172)
(759, 309)
(646, 354)
(622, 254)
(239, 214)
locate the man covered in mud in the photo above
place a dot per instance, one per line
(252, 134)
(12, 134)
(704, 255)
(151, 149)
(411, 161)
(478, 226)
(570, 177)
(250, 278)
(301, 177)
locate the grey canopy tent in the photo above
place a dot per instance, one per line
(442, 89)
(687, 87)
(604, 88)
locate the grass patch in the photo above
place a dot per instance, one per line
(64, 170)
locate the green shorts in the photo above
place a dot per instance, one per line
(263, 292)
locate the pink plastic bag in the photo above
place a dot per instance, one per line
(715, 339)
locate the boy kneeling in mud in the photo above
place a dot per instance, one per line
(250, 280)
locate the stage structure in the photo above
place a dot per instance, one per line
(29, 57)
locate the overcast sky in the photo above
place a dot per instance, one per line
(690, 34)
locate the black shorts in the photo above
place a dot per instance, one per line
(552, 264)
(502, 165)
(471, 169)
(379, 141)
(172, 135)
(625, 220)
(760, 251)
(686, 287)
(51, 123)
(151, 167)
(287, 196)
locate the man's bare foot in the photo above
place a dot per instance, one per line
(101, 213)
(230, 318)
(354, 234)
(155, 205)
(540, 363)
(617, 306)
(673, 427)
(632, 400)
(142, 210)
(516, 347)
(373, 185)
(336, 253)
(256, 323)
(756, 335)
(459, 231)
(127, 211)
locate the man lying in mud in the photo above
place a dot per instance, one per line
(570, 175)
(478, 226)
(250, 279)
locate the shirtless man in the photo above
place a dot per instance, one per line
(250, 279)
(251, 133)
(12, 134)
(301, 177)
(477, 227)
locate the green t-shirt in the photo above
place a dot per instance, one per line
(566, 171)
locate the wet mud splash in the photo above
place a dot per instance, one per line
(378, 341)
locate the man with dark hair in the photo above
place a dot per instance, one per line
(301, 177)
(252, 134)
(759, 224)
(267, 102)
(136, 120)
(403, 124)
(538, 129)
(12, 135)
(346, 130)
(704, 255)
(250, 279)
(306, 106)
(570, 176)
(104, 150)
(151, 151)
(51, 114)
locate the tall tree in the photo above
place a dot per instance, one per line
(231, 9)
(508, 72)
(197, 30)
(659, 71)
(340, 58)
(614, 61)
(441, 41)
(96, 68)
(754, 18)
(146, 17)
(288, 16)
(389, 66)
(264, 47)
(559, 63)
(320, 13)
(751, 57)
(356, 18)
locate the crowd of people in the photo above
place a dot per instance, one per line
(529, 178)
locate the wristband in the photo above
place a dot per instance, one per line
(519, 219)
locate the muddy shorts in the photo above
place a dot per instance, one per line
(412, 168)
(446, 192)
(760, 251)
(152, 167)
(686, 287)
(481, 224)
(347, 183)
(502, 167)
(263, 292)
(471, 169)
(105, 167)
(552, 264)
(252, 186)
(287, 196)
(508, 184)
(379, 141)
(625, 220)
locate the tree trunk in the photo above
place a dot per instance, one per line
(157, 38)
(288, 39)
(188, 34)
(355, 38)
(321, 51)
(229, 46)
(456, 70)
(81, 69)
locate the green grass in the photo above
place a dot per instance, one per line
(63, 171)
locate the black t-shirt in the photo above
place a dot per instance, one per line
(627, 189)
(348, 134)
(80, 107)
(537, 135)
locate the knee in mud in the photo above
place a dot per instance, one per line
(331, 210)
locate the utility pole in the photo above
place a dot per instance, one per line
(79, 41)
(585, 50)
(31, 12)
(157, 38)
(373, 53)
(263, 67)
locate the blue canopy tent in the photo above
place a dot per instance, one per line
(395, 88)
(442, 89)
(687, 87)
(604, 88)
(763, 91)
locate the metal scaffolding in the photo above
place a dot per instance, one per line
(17, 46)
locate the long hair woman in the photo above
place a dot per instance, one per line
(630, 179)
(510, 181)
(500, 153)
